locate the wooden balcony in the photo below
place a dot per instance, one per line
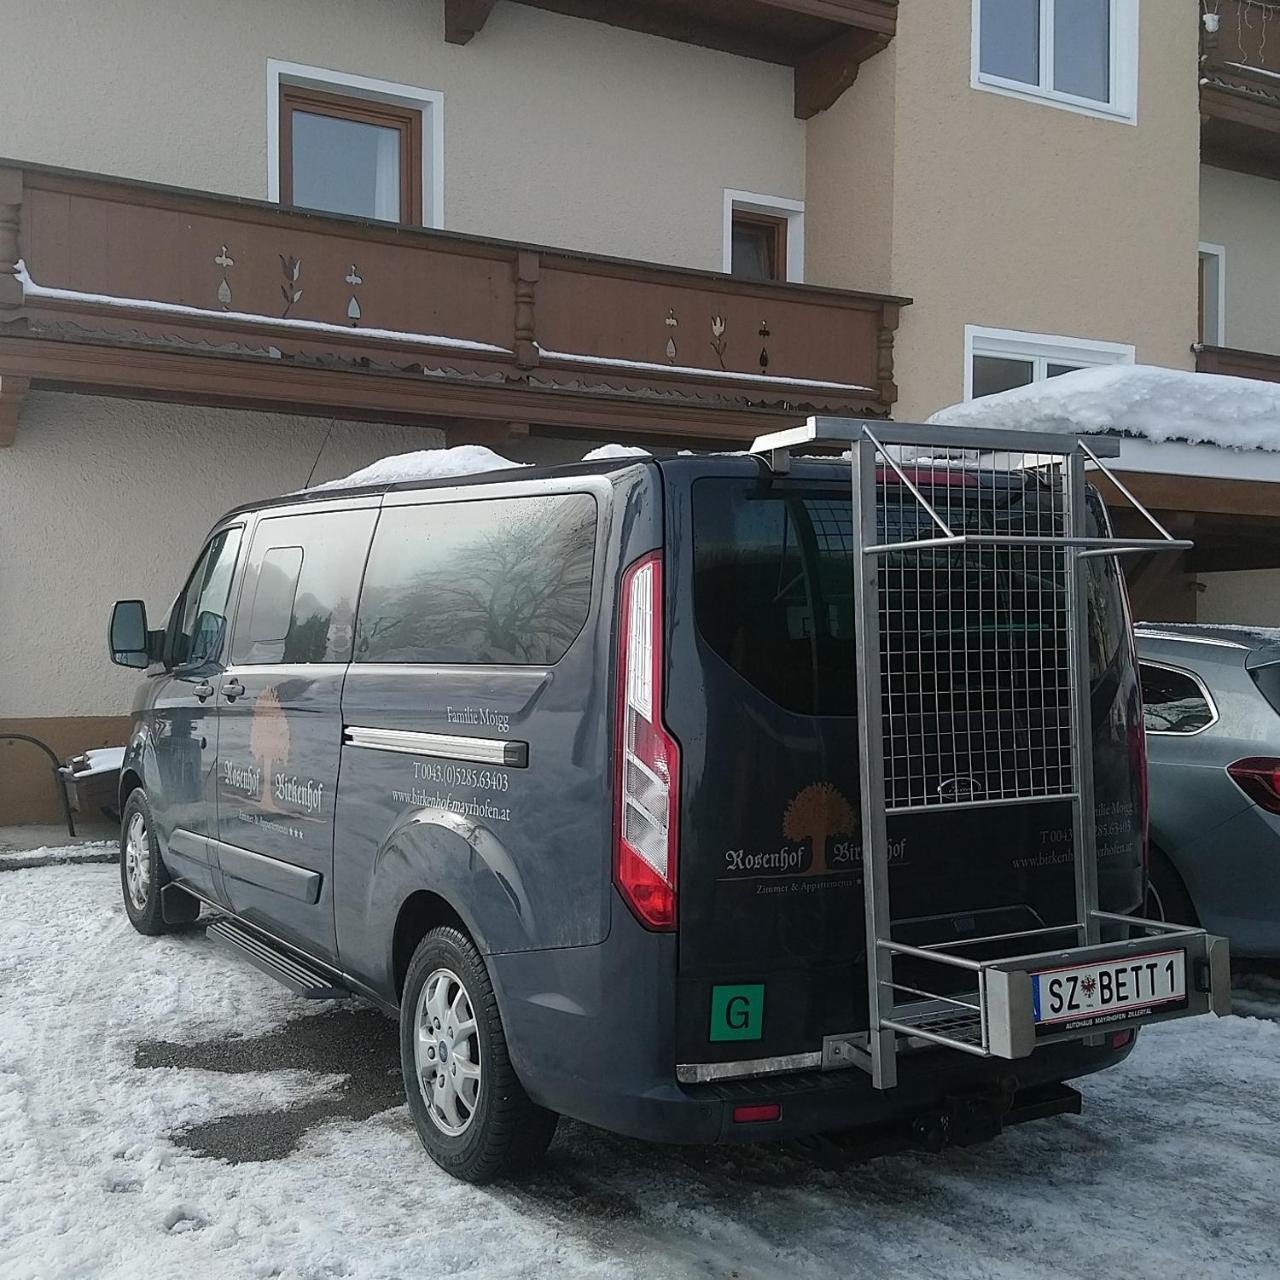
(1240, 89)
(1238, 364)
(826, 41)
(124, 288)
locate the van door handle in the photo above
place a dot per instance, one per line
(203, 690)
(232, 690)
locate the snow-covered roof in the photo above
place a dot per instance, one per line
(424, 464)
(608, 451)
(1140, 400)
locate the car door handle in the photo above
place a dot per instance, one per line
(203, 690)
(232, 690)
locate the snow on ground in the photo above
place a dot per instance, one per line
(424, 464)
(1160, 404)
(1174, 1170)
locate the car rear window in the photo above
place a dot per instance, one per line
(1268, 681)
(773, 590)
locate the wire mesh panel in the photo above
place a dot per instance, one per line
(975, 637)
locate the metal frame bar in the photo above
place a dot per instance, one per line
(875, 866)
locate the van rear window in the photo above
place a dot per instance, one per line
(773, 591)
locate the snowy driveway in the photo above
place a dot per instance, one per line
(136, 1075)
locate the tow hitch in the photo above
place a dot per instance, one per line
(964, 1120)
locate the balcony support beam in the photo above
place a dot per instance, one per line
(822, 76)
(465, 18)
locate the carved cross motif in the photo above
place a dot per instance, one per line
(765, 334)
(354, 278)
(226, 262)
(673, 324)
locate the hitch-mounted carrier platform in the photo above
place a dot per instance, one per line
(991, 1012)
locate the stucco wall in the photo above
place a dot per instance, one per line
(557, 130)
(1242, 213)
(1249, 597)
(1013, 214)
(106, 499)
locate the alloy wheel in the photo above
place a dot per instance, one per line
(446, 1051)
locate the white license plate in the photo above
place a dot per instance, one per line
(1112, 990)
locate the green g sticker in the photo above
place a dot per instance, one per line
(737, 1013)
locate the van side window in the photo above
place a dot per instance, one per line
(202, 616)
(299, 595)
(1173, 701)
(498, 580)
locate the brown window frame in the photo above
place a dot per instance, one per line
(775, 223)
(406, 120)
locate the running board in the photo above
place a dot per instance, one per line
(285, 968)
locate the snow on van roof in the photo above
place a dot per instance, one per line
(424, 464)
(1142, 400)
(607, 451)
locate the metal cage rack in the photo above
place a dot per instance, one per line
(938, 691)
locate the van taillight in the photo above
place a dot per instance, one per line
(1259, 778)
(648, 768)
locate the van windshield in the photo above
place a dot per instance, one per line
(773, 592)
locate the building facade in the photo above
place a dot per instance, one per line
(248, 247)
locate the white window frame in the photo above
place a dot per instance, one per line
(1218, 336)
(429, 101)
(774, 207)
(1123, 106)
(1040, 350)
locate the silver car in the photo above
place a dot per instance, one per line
(1211, 702)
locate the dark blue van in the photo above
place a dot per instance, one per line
(560, 766)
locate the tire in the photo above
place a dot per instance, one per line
(142, 873)
(477, 1124)
(1167, 896)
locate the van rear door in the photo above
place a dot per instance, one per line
(761, 695)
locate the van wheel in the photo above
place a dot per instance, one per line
(473, 1116)
(142, 874)
(1167, 896)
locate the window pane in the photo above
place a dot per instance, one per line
(503, 581)
(757, 250)
(773, 595)
(1082, 48)
(346, 166)
(1011, 39)
(1057, 370)
(996, 373)
(1172, 701)
(204, 623)
(299, 596)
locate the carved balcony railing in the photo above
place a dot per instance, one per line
(1240, 86)
(125, 288)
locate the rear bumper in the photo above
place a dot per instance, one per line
(591, 1035)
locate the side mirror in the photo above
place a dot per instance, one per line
(128, 635)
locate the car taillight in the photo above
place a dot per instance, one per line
(648, 759)
(1136, 736)
(1138, 763)
(1259, 778)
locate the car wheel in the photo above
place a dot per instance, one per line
(471, 1112)
(142, 874)
(1167, 896)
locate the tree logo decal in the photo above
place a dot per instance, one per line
(269, 739)
(816, 814)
